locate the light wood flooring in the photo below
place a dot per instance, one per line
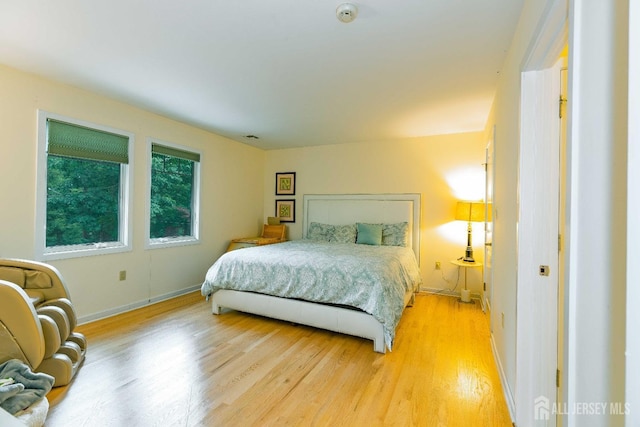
(176, 364)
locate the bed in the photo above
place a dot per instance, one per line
(330, 283)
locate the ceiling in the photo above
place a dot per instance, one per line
(287, 71)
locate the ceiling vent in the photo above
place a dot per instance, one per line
(346, 12)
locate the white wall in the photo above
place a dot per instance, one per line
(597, 223)
(597, 253)
(238, 184)
(430, 166)
(231, 202)
(506, 118)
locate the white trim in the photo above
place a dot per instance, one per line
(632, 380)
(194, 239)
(135, 305)
(487, 271)
(444, 292)
(453, 293)
(570, 356)
(508, 394)
(551, 35)
(126, 208)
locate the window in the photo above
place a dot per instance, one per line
(173, 195)
(83, 188)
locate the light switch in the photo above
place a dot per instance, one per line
(544, 270)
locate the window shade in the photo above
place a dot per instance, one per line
(65, 139)
(175, 152)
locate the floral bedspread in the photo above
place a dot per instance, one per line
(371, 278)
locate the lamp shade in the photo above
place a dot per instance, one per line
(472, 211)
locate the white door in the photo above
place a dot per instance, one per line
(561, 224)
(537, 269)
(488, 225)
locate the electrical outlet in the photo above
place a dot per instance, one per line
(123, 275)
(438, 265)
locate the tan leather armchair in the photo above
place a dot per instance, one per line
(37, 320)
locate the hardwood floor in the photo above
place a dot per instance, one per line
(176, 364)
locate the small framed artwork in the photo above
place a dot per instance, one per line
(285, 183)
(286, 210)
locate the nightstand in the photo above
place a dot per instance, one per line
(270, 234)
(465, 294)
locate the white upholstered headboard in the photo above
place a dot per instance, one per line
(341, 209)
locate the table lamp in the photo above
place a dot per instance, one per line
(470, 212)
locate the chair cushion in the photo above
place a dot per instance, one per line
(25, 278)
(13, 275)
(66, 306)
(51, 335)
(59, 317)
(37, 280)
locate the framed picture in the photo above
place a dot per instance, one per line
(286, 210)
(285, 183)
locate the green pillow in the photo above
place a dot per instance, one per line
(369, 234)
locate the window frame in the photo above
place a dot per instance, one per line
(165, 242)
(124, 243)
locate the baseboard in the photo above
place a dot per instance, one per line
(448, 292)
(511, 404)
(129, 307)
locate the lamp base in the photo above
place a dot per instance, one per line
(465, 296)
(468, 255)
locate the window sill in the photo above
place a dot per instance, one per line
(84, 251)
(169, 242)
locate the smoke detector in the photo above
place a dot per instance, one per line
(346, 12)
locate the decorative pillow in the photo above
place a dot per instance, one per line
(319, 232)
(395, 234)
(343, 234)
(369, 234)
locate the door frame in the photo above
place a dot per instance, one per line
(632, 383)
(487, 272)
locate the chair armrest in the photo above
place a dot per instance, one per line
(19, 318)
